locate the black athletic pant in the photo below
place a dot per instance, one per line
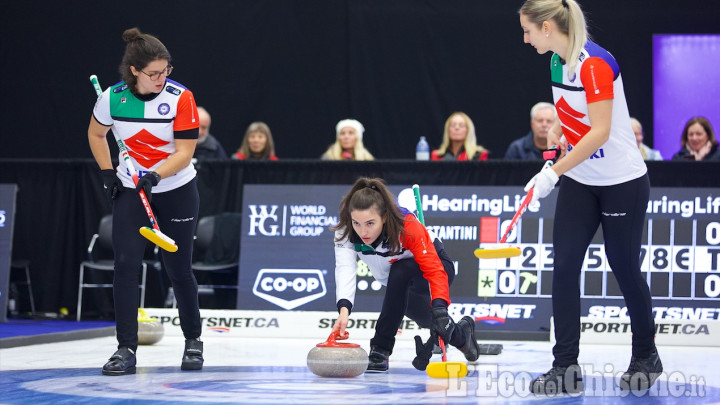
(580, 209)
(176, 212)
(408, 293)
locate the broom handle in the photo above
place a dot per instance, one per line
(128, 162)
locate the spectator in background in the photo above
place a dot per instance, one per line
(207, 146)
(532, 145)
(348, 144)
(698, 141)
(257, 144)
(647, 152)
(459, 140)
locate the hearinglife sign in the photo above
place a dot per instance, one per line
(287, 259)
(7, 220)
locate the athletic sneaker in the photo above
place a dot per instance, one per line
(193, 355)
(378, 359)
(121, 362)
(642, 373)
(470, 349)
(568, 379)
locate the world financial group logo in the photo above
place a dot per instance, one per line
(263, 220)
(289, 220)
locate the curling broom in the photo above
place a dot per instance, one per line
(509, 251)
(443, 369)
(153, 234)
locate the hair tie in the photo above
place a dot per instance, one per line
(564, 3)
(371, 186)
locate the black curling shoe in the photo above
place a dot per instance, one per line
(642, 373)
(470, 349)
(193, 355)
(378, 360)
(122, 362)
(559, 379)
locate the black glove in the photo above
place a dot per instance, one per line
(442, 324)
(424, 351)
(146, 183)
(112, 183)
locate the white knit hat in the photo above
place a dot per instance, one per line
(355, 124)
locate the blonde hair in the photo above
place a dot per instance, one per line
(568, 17)
(470, 144)
(334, 152)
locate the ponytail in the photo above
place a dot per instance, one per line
(570, 20)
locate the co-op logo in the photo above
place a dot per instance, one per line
(289, 288)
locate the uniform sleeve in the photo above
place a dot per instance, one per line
(101, 112)
(345, 270)
(597, 77)
(187, 115)
(417, 240)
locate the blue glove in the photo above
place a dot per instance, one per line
(146, 184)
(543, 182)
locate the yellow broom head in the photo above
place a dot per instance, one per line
(446, 369)
(497, 253)
(159, 239)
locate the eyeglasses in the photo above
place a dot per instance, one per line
(156, 75)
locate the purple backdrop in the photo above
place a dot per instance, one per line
(686, 83)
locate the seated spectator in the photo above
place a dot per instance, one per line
(348, 144)
(207, 146)
(257, 144)
(459, 140)
(532, 145)
(647, 152)
(698, 141)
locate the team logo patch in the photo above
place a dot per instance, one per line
(173, 90)
(144, 148)
(164, 109)
(120, 89)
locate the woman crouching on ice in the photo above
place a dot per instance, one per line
(402, 256)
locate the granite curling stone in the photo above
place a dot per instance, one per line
(150, 330)
(333, 359)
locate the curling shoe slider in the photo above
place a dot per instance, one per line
(559, 379)
(193, 355)
(122, 362)
(642, 373)
(378, 360)
(470, 349)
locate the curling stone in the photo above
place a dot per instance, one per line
(333, 359)
(150, 330)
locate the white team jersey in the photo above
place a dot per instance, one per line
(147, 129)
(597, 77)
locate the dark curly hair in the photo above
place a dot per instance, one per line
(141, 49)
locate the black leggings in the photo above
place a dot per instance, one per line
(176, 212)
(580, 209)
(408, 293)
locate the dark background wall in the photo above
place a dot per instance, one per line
(400, 66)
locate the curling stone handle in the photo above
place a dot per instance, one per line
(335, 335)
